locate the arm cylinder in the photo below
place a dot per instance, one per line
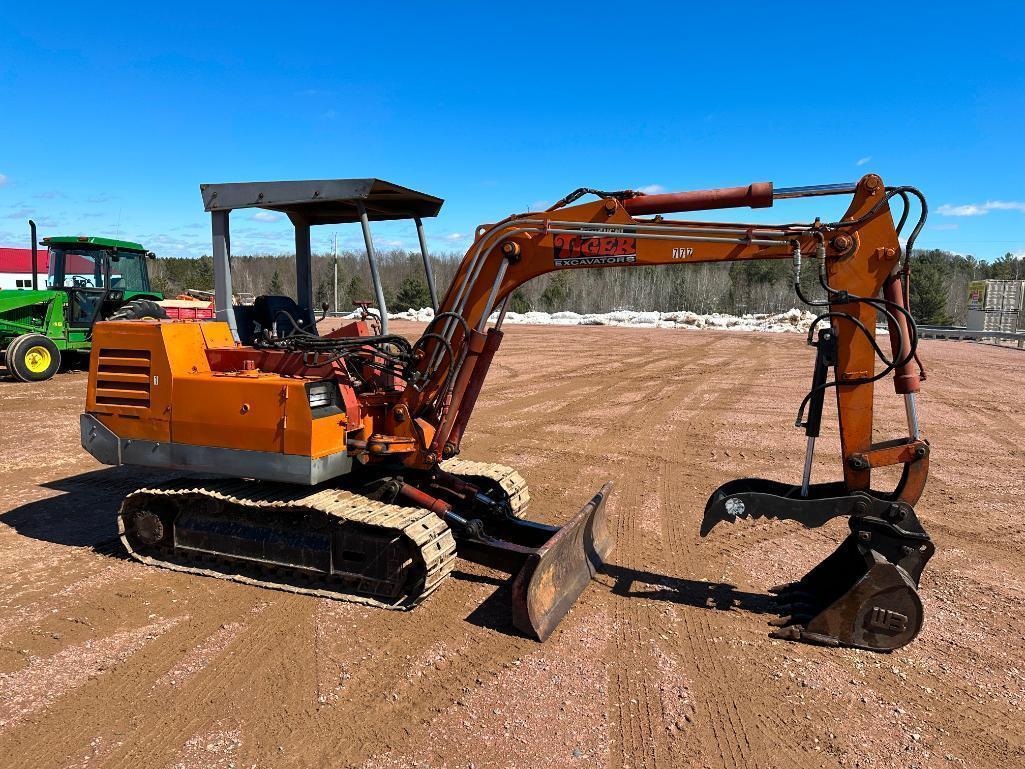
(905, 378)
(757, 195)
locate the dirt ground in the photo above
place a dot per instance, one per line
(664, 662)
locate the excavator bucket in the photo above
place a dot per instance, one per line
(556, 573)
(863, 595)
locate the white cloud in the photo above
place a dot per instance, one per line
(980, 209)
(652, 189)
(266, 216)
(862, 161)
(3, 180)
(454, 236)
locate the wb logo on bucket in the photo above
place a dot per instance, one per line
(887, 620)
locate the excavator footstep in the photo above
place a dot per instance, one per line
(554, 575)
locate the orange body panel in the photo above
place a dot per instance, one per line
(152, 380)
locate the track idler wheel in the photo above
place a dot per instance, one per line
(865, 594)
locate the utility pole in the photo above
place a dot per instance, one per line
(334, 249)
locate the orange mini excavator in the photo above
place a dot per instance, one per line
(337, 453)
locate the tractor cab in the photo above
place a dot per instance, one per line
(98, 275)
(307, 203)
(89, 279)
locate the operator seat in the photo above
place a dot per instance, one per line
(275, 313)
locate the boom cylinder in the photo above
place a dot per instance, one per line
(473, 388)
(758, 195)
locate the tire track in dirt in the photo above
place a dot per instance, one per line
(436, 647)
(643, 728)
(727, 725)
(220, 690)
(64, 730)
(578, 406)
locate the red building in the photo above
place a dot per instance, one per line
(16, 267)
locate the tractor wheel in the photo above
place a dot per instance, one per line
(137, 309)
(33, 358)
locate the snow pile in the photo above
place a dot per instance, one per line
(419, 316)
(793, 320)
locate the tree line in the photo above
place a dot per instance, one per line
(939, 285)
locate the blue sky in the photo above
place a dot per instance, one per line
(110, 119)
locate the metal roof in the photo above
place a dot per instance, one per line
(324, 201)
(19, 260)
(81, 241)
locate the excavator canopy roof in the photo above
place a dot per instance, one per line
(324, 201)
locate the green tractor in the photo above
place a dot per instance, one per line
(89, 279)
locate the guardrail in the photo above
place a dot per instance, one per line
(964, 334)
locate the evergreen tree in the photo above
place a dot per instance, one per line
(518, 302)
(323, 293)
(557, 293)
(275, 288)
(204, 274)
(357, 290)
(1008, 267)
(413, 295)
(930, 288)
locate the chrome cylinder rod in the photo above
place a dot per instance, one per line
(809, 454)
(813, 190)
(912, 410)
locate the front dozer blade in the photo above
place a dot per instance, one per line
(555, 574)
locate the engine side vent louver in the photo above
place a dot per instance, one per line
(123, 378)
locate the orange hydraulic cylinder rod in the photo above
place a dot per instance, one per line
(421, 499)
(905, 378)
(758, 195)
